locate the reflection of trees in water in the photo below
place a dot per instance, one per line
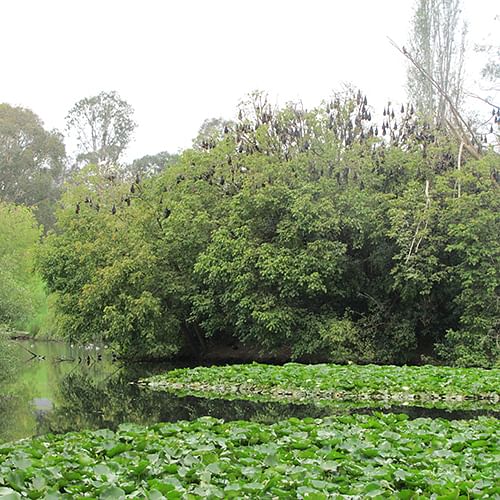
(16, 415)
(7, 407)
(87, 404)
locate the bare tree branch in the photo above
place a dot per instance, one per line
(461, 122)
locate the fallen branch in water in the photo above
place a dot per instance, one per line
(33, 354)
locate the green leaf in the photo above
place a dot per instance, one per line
(112, 493)
(9, 494)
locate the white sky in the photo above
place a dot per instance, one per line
(179, 62)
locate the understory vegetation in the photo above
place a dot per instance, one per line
(313, 233)
(22, 294)
(360, 456)
(7, 359)
(423, 385)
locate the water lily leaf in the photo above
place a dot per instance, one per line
(15, 479)
(9, 494)
(102, 470)
(315, 496)
(38, 482)
(174, 495)
(155, 495)
(370, 452)
(420, 464)
(22, 463)
(117, 449)
(406, 494)
(112, 493)
(253, 487)
(329, 466)
(373, 490)
(214, 468)
(72, 475)
(84, 459)
(140, 467)
(233, 487)
(271, 460)
(171, 468)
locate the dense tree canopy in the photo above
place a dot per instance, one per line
(31, 161)
(314, 232)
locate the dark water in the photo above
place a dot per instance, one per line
(67, 389)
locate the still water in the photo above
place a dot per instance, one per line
(66, 389)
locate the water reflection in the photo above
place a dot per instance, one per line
(90, 405)
(37, 389)
(93, 391)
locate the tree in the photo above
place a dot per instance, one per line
(32, 161)
(437, 44)
(103, 126)
(19, 286)
(211, 132)
(151, 165)
(299, 231)
(130, 288)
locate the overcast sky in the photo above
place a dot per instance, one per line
(179, 62)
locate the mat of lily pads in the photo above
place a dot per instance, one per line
(438, 386)
(354, 456)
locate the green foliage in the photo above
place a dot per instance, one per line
(114, 278)
(336, 457)
(40, 321)
(448, 260)
(292, 231)
(102, 265)
(271, 265)
(8, 358)
(31, 162)
(21, 291)
(211, 132)
(474, 247)
(151, 165)
(417, 385)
